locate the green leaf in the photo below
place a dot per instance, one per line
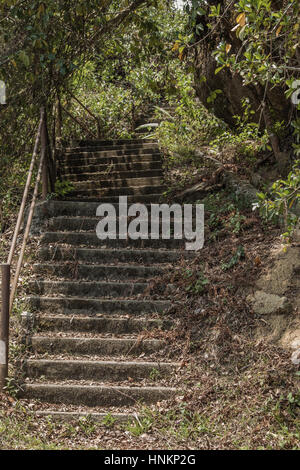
(219, 69)
(24, 58)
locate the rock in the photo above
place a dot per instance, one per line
(267, 304)
(279, 278)
(243, 190)
(197, 191)
(296, 357)
(291, 337)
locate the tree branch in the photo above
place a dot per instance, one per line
(117, 20)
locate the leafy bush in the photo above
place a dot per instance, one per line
(280, 202)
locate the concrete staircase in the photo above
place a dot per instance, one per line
(105, 170)
(95, 336)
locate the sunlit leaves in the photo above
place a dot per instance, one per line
(241, 19)
(268, 41)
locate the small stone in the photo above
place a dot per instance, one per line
(267, 304)
(296, 357)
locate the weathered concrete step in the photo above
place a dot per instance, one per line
(52, 208)
(106, 142)
(103, 324)
(131, 184)
(89, 224)
(60, 253)
(96, 272)
(95, 191)
(94, 346)
(80, 305)
(90, 239)
(96, 396)
(129, 146)
(109, 158)
(116, 168)
(89, 289)
(101, 371)
(140, 198)
(114, 177)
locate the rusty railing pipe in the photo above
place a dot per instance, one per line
(4, 325)
(27, 231)
(26, 191)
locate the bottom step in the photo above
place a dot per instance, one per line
(94, 396)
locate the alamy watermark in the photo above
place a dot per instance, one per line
(2, 92)
(161, 222)
(296, 95)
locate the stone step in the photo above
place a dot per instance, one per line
(98, 272)
(95, 191)
(119, 147)
(106, 347)
(88, 289)
(116, 168)
(108, 159)
(82, 305)
(103, 256)
(112, 142)
(90, 239)
(110, 371)
(55, 208)
(155, 198)
(89, 224)
(77, 208)
(130, 184)
(96, 395)
(114, 177)
(92, 324)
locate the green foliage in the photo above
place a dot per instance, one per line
(198, 282)
(133, 73)
(47, 47)
(224, 212)
(281, 201)
(154, 374)
(12, 387)
(239, 255)
(236, 221)
(258, 41)
(108, 420)
(189, 125)
(63, 188)
(140, 426)
(269, 36)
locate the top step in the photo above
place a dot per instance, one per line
(109, 143)
(98, 148)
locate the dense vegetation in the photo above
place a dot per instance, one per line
(241, 59)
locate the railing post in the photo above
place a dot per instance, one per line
(44, 155)
(4, 325)
(58, 123)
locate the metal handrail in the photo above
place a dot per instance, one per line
(25, 195)
(75, 119)
(96, 118)
(44, 174)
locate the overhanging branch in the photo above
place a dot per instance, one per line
(117, 20)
